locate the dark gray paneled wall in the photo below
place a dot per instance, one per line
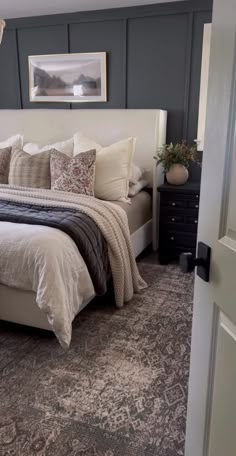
(157, 54)
(9, 72)
(108, 36)
(154, 57)
(39, 40)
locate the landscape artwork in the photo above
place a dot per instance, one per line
(68, 77)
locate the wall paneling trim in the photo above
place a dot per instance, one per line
(154, 57)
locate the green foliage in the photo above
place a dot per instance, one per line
(181, 153)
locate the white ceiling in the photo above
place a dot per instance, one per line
(22, 8)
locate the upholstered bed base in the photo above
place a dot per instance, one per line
(19, 306)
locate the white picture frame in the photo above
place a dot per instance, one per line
(70, 78)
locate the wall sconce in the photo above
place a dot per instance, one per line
(2, 26)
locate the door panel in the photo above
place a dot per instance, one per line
(223, 435)
(211, 420)
(224, 253)
(225, 274)
(231, 216)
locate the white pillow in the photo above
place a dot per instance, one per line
(136, 188)
(82, 144)
(136, 174)
(13, 141)
(113, 166)
(66, 147)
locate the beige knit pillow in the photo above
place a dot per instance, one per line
(5, 157)
(30, 170)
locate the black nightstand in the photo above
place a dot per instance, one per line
(178, 220)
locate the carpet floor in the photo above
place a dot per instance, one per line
(121, 389)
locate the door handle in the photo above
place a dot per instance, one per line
(187, 261)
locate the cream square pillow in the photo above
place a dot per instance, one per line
(113, 166)
(13, 141)
(65, 147)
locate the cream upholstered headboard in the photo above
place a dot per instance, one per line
(105, 126)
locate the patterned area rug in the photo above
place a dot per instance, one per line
(121, 389)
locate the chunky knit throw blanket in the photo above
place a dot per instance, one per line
(111, 220)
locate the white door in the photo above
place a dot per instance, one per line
(211, 420)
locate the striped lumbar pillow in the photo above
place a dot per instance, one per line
(5, 157)
(30, 170)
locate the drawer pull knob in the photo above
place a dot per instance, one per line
(195, 221)
(173, 219)
(197, 196)
(172, 238)
(173, 204)
(196, 206)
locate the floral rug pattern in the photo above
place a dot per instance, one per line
(121, 388)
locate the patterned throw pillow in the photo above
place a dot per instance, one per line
(5, 157)
(73, 175)
(30, 170)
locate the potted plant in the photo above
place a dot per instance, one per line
(175, 159)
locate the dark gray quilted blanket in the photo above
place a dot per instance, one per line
(81, 228)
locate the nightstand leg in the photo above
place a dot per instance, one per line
(163, 259)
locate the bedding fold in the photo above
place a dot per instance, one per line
(112, 222)
(81, 228)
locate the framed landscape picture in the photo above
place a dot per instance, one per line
(68, 77)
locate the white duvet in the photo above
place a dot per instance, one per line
(47, 261)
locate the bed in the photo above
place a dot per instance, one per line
(106, 127)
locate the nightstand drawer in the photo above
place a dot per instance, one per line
(174, 227)
(174, 203)
(193, 205)
(174, 218)
(178, 239)
(191, 220)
